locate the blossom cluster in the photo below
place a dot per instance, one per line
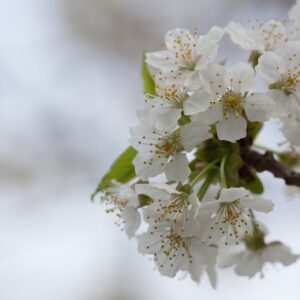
(197, 115)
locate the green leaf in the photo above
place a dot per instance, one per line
(149, 84)
(122, 170)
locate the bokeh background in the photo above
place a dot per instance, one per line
(69, 86)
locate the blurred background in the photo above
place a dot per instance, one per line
(69, 86)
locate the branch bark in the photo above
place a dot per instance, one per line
(267, 162)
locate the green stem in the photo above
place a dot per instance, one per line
(222, 171)
(206, 184)
(254, 227)
(203, 172)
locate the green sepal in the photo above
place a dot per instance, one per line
(256, 241)
(253, 129)
(254, 57)
(290, 158)
(184, 119)
(144, 200)
(250, 180)
(149, 84)
(186, 189)
(122, 170)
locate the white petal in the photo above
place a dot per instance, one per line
(291, 124)
(258, 204)
(198, 102)
(240, 78)
(231, 194)
(270, 67)
(212, 275)
(144, 170)
(191, 80)
(212, 78)
(232, 129)
(132, 220)
(151, 191)
(143, 115)
(259, 107)
(160, 60)
(230, 260)
(165, 117)
(178, 168)
(209, 207)
(272, 34)
(212, 115)
(193, 134)
(280, 253)
(207, 46)
(178, 33)
(250, 264)
(282, 102)
(246, 39)
(148, 243)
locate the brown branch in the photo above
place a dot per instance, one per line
(267, 162)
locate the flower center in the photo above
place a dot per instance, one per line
(230, 212)
(172, 96)
(168, 145)
(184, 54)
(289, 85)
(232, 102)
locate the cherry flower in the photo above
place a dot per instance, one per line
(170, 205)
(123, 201)
(186, 53)
(230, 218)
(249, 262)
(161, 151)
(281, 70)
(173, 252)
(167, 103)
(262, 37)
(225, 98)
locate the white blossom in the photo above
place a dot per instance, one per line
(230, 218)
(225, 97)
(161, 151)
(186, 53)
(166, 105)
(261, 37)
(249, 262)
(123, 201)
(170, 205)
(173, 252)
(281, 70)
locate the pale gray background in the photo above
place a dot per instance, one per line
(69, 85)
